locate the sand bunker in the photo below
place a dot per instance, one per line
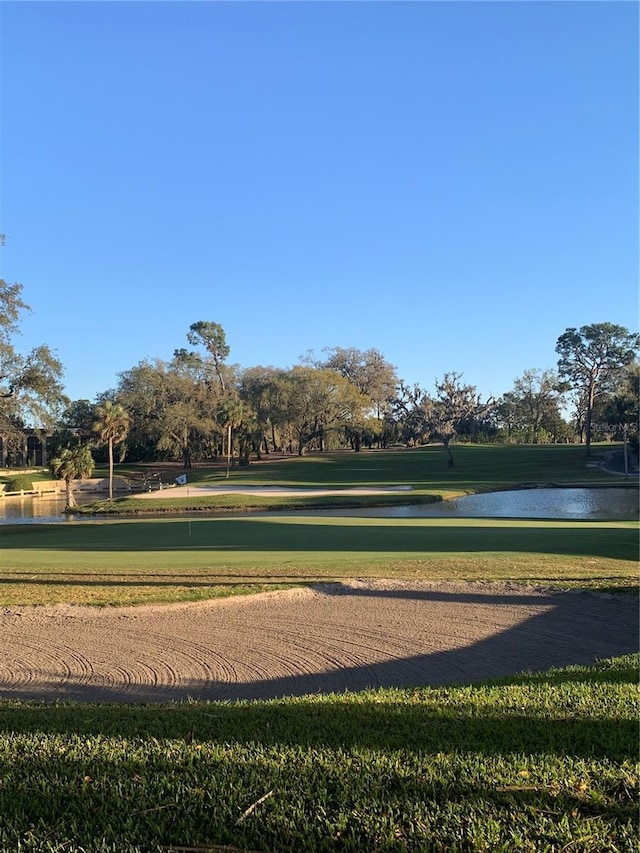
(331, 637)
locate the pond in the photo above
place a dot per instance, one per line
(619, 504)
(44, 510)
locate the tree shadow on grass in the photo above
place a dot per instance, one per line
(222, 536)
(415, 722)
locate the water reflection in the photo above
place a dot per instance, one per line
(41, 510)
(594, 504)
(619, 504)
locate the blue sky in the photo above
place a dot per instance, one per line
(453, 183)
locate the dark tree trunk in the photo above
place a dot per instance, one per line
(110, 469)
(244, 453)
(229, 449)
(587, 420)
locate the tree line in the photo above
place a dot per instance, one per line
(196, 406)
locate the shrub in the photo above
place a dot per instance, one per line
(21, 483)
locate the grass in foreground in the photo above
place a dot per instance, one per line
(537, 763)
(136, 562)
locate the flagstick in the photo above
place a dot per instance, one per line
(183, 481)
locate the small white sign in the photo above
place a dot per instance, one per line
(181, 480)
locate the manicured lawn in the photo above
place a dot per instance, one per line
(477, 468)
(539, 763)
(143, 561)
(542, 763)
(186, 558)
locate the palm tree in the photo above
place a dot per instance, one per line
(70, 464)
(231, 413)
(112, 427)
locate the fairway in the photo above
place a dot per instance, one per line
(421, 473)
(188, 556)
(164, 560)
(379, 625)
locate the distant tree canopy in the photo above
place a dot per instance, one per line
(170, 410)
(616, 412)
(318, 402)
(531, 410)
(443, 415)
(78, 415)
(212, 337)
(454, 404)
(376, 381)
(591, 358)
(369, 371)
(198, 406)
(31, 391)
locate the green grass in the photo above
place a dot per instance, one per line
(229, 502)
(34, 474)
(539, 763)
(144, 561)
(181, 559)
(544, 763)
(477, 468)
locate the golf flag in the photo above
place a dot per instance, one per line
(181, 480)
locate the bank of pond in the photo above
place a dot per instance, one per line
(595, 504)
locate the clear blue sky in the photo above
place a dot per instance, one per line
(453, 183)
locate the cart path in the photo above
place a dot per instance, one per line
(328, 638)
